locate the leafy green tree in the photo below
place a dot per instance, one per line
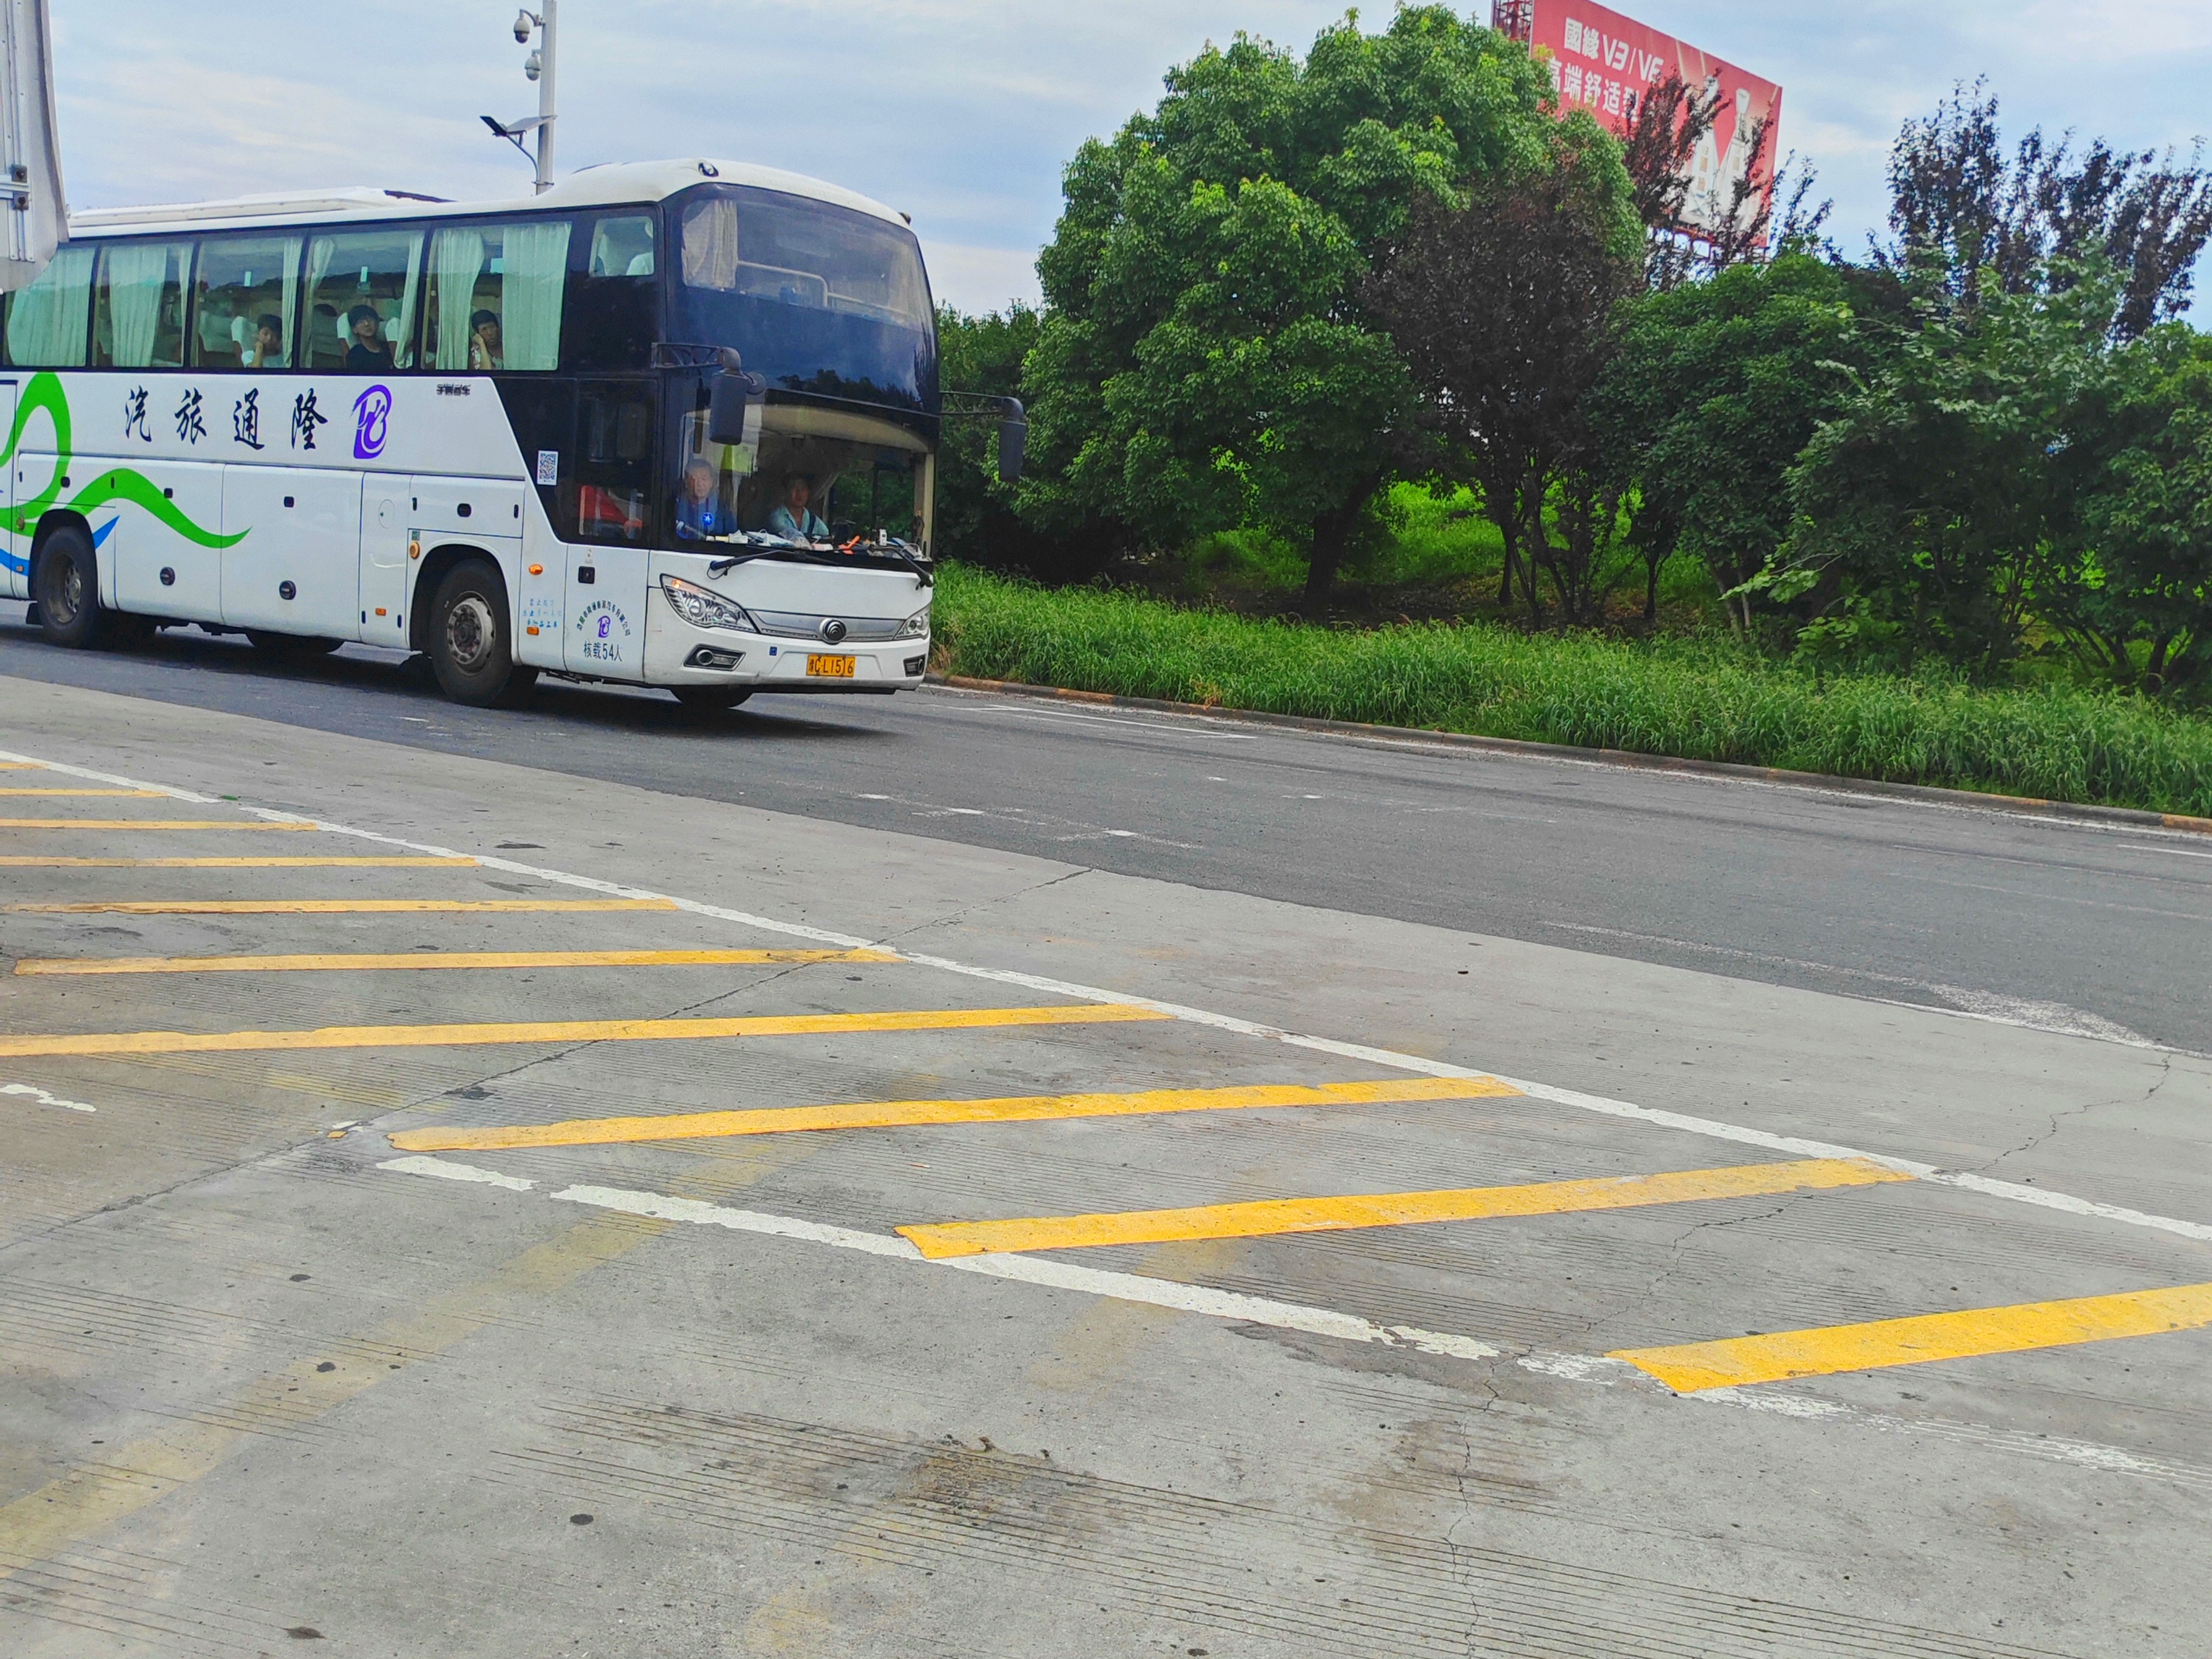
(1504, 309)
(1926, 510)
(1714, 391)
(975, 517)
(1205, 362)
(2130, 587)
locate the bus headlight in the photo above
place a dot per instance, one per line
(702, 608)
(915, 627)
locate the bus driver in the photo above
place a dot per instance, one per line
(791, 520)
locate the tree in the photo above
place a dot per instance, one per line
(2131, 584)
(975, 517)
(1205, 361)
(1968, 217)
(1503, 308)
(1672, 119)
(1925, 511)
(1717, 388)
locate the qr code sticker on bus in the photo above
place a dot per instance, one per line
(549, 466)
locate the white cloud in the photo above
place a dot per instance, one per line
(977, 279)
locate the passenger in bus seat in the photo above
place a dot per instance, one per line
(370, 351)
(267, 350)
(791, 520)
(484, 344)
(699, 509)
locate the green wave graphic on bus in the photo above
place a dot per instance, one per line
(116, 485)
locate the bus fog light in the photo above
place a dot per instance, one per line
(707, 656)
(915, 666)
(703, 608)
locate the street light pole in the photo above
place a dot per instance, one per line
(544, 59)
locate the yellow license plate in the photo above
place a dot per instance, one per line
(832, 668)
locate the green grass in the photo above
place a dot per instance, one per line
(1700, 698)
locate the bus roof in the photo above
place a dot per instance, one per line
(608, 184)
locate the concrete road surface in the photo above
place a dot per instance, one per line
(592, 1182)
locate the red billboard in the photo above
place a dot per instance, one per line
(1603, 61)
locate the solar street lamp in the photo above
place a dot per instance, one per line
(538, 67)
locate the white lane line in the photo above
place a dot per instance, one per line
(443, 1171)
(1232, 1305)
(2082, 1453)
(1237, 1307)
(1713, 1129)
(45, 1099)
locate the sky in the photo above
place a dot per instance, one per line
(962, 112)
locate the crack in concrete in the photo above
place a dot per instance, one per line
(2051, 1128)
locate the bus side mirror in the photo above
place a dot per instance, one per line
(734, 404)
(1014, 437)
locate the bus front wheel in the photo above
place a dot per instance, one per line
(67, 588)
(471, 649)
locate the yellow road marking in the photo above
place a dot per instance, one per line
(134, 794)
(902, 1114)
(1826, 1350)
(400, 959)
(95, 1495)
(22, 766)
(1313, 1215)
(561, 1030)
(328, 906)
(141, 824)
(31, 861)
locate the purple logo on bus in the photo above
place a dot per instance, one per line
(372, 418)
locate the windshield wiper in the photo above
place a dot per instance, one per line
(762, 545)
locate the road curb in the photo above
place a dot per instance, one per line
(2024, 806)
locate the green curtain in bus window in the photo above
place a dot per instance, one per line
(536, 260)
(46, 321)
(456, 257)
(139, 306)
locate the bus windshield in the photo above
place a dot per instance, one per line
(819, 299)
(815, 476)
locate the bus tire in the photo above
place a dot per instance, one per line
(708, 699)
(67, 588)
(291, 645)
(472, 647)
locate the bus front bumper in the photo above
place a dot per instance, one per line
(677, 655)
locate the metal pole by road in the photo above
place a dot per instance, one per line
(545, 96)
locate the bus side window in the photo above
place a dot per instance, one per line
(614, 295)
(47, 322)
(362, 297)
(138, 305)
(496, 295)
(246, 312)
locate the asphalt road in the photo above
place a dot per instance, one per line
(2057, 926)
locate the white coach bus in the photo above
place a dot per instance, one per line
(670, 423)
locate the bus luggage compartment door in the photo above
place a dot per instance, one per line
(162, 571)
(297, 569)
